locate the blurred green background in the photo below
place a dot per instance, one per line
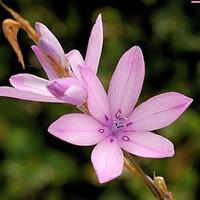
(35, 165)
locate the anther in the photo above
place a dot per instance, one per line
(125, 138)
(101, 130)
(106, 118)
(111, 140)
(118, 114)
(128, 124)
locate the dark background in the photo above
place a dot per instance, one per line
(35, 165)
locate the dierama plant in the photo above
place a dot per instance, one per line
(110, 121)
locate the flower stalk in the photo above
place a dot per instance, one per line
(158, 188)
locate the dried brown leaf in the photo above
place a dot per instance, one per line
(10, 29)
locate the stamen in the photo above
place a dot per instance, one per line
(125, 138)
(101, 130)
(128, 124)
(111, 140)
(118, 114)
(106, 118)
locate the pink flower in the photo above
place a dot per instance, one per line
(115, 124)
(75, 59)
(51, 56)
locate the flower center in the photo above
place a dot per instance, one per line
(119, 122)
(117, 126)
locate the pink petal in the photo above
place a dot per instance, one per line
(159, 111)
(107, 159)
(126, 82)
(146, 144)
(43, 31)
(45, 62)
(75, 58)
(95, 44)
(26, 95)
(97, 99)
(69, 90)
(50, 50)
(31, 83)
(78, 129)
(49, 45)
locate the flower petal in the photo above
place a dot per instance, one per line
(97, 99)
(26, 95)
(146, 144)
(126, 82)
(159, 111)
(49, 45)
(69, 90)
(95, 44)
(31, 83)
(43, 31)
(78, 129)
(52, 51)
(46, 64)
(107, 159)
(75, 59)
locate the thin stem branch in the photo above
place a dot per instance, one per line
(156, 190)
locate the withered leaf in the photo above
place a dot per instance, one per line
(11, 28)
